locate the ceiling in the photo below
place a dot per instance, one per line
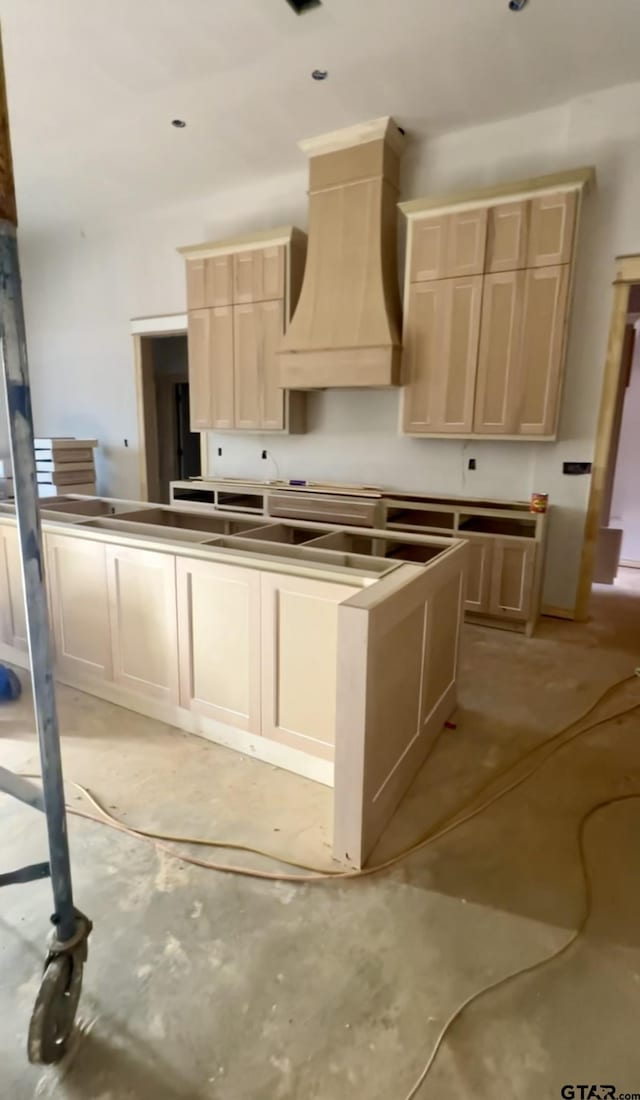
(93, 84)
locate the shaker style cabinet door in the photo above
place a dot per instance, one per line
(479, 566)
(542, 350)
(258, 274)
(271, 315)
(211, 368)
(429, 249)
(77, 576)
(247, 331)
(553, 219)
(512, 578)
(508, 236)
(423, 355)
(499, 357)
(466, 243)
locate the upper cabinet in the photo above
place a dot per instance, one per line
(240, 297)
(487, 298)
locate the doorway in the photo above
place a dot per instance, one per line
(611, 549)
(169, 450)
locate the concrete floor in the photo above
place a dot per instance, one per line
(208, 986)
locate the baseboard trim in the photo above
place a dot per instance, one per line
(629, 564)
(559, 613)
(249, 744)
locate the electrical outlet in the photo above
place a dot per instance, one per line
(219, 452)
(576, 467)
(472, 463)
(264, 454)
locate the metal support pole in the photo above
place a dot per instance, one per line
(16, 377)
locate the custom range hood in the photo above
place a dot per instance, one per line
(347, 324)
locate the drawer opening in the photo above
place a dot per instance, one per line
(85, 507)
(189, 521)
(282, 533)
(420, 517)
(496, 525)
(202, 496)
(240, 502)
(371, 546)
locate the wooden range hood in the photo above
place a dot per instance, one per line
(346, 327)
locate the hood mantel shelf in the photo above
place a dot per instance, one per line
(346, 328)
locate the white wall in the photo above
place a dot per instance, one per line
(83, 285)
(625, 504)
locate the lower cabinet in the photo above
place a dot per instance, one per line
(219, 641)
(299, 660)
(479, 573)
(14, 620)
(512, 577)
(77, 578)
(144, 636)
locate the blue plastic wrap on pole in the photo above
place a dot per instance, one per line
(16, 377)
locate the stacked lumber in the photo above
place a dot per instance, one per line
(65, 465)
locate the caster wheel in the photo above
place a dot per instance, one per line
(54, 1012)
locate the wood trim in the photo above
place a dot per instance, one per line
(558, 613)
(628, 269)
(574, 180)
(148, 464)
(378, 129)
(604, 438)
(334, 368)
(627, 564)
(163, 325)
(245, 242)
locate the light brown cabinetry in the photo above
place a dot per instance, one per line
(485, 357)
(142, 607)
(479, 573)
(14, 620)
(219, 641)
(77, 576)
(239, 299)
(512, 576)
(441, 352)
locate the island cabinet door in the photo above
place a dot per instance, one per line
(299, 661)
(142, 606)
(219, 641)
(77, 580)
(14, 620)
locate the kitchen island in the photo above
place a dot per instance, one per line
(329, 651)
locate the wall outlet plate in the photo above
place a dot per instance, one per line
(576, 467)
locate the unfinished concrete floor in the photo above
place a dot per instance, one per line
(204, 985)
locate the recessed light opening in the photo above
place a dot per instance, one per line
(179, 123)
(301, 6)
(320, 74)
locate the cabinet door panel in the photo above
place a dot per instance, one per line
(542, 351)
(247, 354)
(299, 661)
(218, 278)
(429, 249)
(498, 361)
(196, 293)
(199, 340)
(512, 578)
(273, 397)
(142, 605)
(221, 367)
(258, 274)
(77, 574)
(479, 564)
(508, 236)
(553, 220)
(422, 355)
(466, 243)
(14, 617)
(219, 641)
(457, 370)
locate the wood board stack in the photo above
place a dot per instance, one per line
(65, 465)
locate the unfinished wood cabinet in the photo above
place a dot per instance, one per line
(553, 219)
(508, 236)
(142, 608)
(512, 577)
(466, 243)
(442, 325)
(299, 660)
(258, 274)
(219, 641)
(211, 376)
(234, 372)
(77, 578)
(479, 573)
(519, 241)
(498, 359)
(14, 619)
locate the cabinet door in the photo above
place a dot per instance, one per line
(196, 293)
(247, 333)
(423, 354)
(542, 349)
(498, 360)
(219, 641)
(142, 606)
(552, 226)
(456, 377)
(258, 274)
(466, 243)
(508, 236)
(299, 661)
(512, 578)
(479, 566)
(77, 575)
(271, 316)
(211, 368)
(429, 249)
(218, 281)
(14, 618)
